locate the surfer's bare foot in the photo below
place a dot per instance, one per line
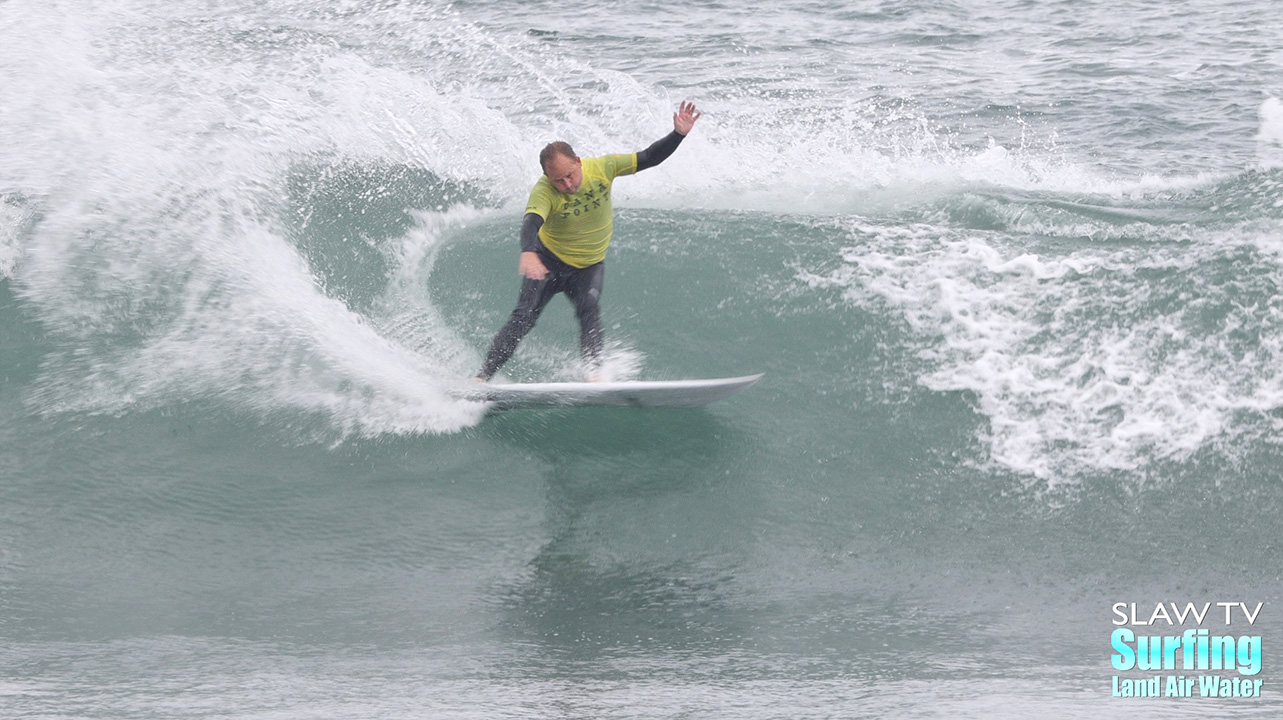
(480, 379)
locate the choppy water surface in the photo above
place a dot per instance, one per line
(1012, 271)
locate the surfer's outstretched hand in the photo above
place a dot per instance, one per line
(685, 117)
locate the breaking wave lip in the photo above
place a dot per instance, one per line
(1090, 357)
(1148, 338)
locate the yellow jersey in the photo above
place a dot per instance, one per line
(577, 228)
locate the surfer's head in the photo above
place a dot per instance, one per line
(562, 166)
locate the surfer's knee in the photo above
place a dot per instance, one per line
(588, 314)
(588, 304)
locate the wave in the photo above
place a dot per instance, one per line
(248, 206)
(1092, 338)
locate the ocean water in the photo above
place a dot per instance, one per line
(1013, 272)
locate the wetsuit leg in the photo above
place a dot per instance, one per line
(535, 295)
(584, 290)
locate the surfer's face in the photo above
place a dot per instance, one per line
(565, 173)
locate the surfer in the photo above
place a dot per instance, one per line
(564, 235)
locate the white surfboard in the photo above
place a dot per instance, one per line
(631, 393)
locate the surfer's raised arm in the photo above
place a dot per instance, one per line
(683, 120)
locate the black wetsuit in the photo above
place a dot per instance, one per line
(581, 285)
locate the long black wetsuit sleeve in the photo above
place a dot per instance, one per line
(659, 151)
(530, 225)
